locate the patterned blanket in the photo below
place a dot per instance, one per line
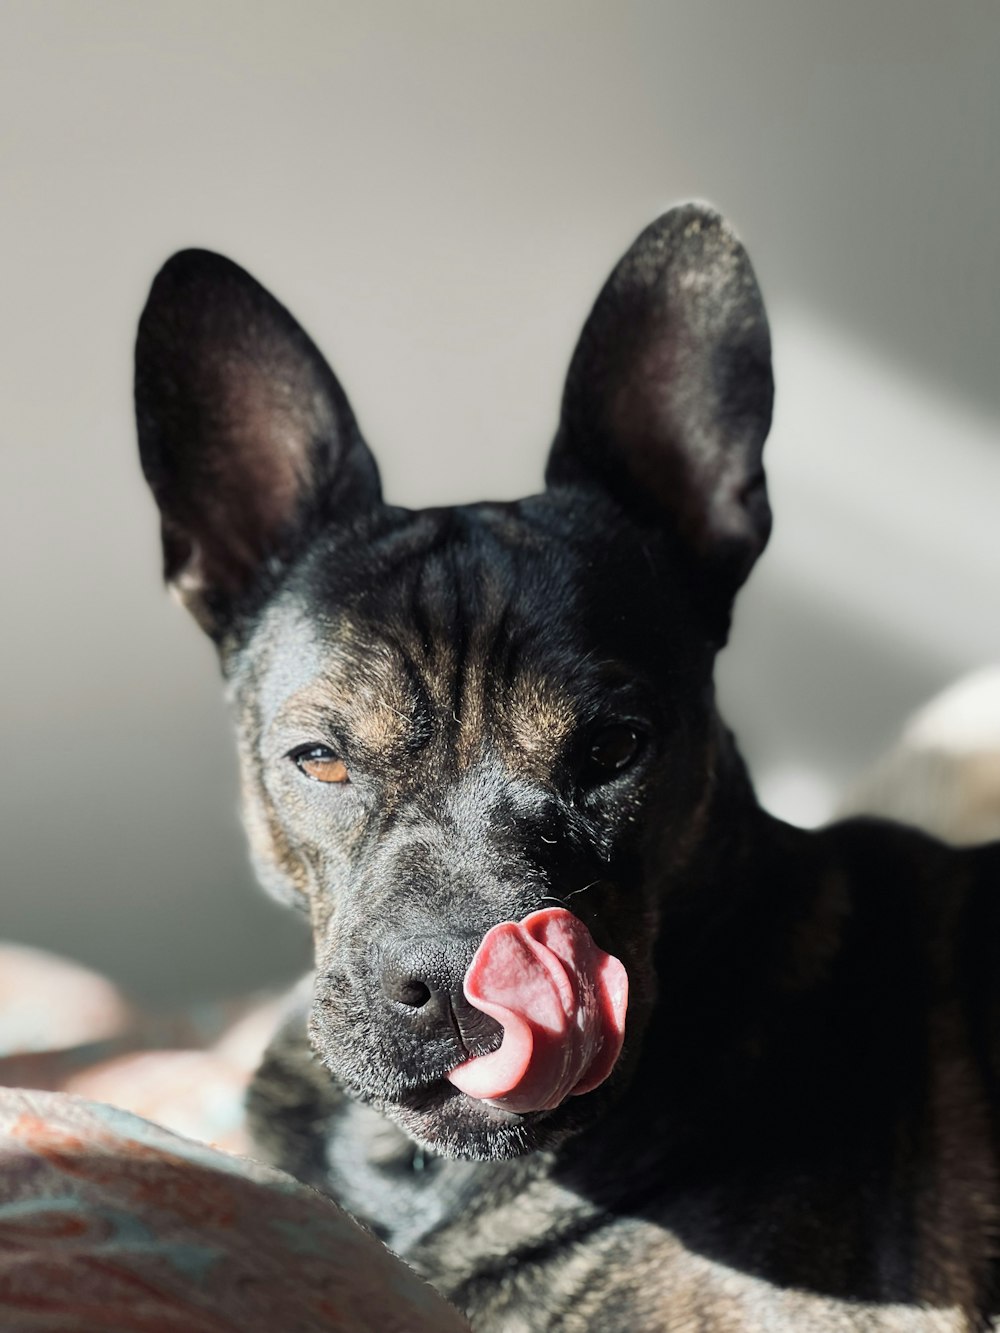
(112, 1224)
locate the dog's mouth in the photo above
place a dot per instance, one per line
(553, 1004)
(561, 1002)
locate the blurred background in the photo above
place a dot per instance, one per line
(437, 190)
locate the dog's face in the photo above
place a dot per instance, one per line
(453, 718)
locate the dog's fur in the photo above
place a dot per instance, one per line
(802, 1130)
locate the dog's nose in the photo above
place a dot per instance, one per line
(424, 977)
(418, 972)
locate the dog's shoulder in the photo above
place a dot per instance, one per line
(925, 919)
(896, 867)
(935, 904)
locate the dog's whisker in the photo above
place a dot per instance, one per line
(591, 885)
(564, 902)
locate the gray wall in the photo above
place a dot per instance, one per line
(437, 191)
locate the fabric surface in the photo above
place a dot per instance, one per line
(109, 1224)
(112, 1224)
(65, 1027)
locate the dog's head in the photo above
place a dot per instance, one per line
(455, 717)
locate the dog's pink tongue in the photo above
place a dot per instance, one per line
(561, 1001)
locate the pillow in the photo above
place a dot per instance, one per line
(109, 1222)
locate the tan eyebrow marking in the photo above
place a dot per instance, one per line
(540, 718)
(368, 693)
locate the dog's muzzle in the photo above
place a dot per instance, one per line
(422, 978)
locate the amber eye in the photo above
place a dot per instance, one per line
(320, 763)
(612, 749)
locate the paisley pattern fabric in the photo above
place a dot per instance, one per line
(110, 1224)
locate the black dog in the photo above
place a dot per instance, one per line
(455, 718)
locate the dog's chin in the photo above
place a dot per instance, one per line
(452, 1124)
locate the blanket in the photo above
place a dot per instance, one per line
(110, 1223)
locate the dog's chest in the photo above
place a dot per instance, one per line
(626, 1275)
(518, 1252)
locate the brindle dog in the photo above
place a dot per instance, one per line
(454, 717)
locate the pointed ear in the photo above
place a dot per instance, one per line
(668, 399)
(246, 438)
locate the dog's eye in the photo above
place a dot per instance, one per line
(319, 763)
(612, 749)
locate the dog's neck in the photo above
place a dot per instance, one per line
(748, 970)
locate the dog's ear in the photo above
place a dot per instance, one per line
(246, 438)
(668, 398)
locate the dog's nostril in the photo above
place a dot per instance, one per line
(405, 981)
(413, 993)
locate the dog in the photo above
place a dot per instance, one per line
(457, 718)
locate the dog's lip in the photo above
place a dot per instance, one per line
(426, 1096)
(499, 1114)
